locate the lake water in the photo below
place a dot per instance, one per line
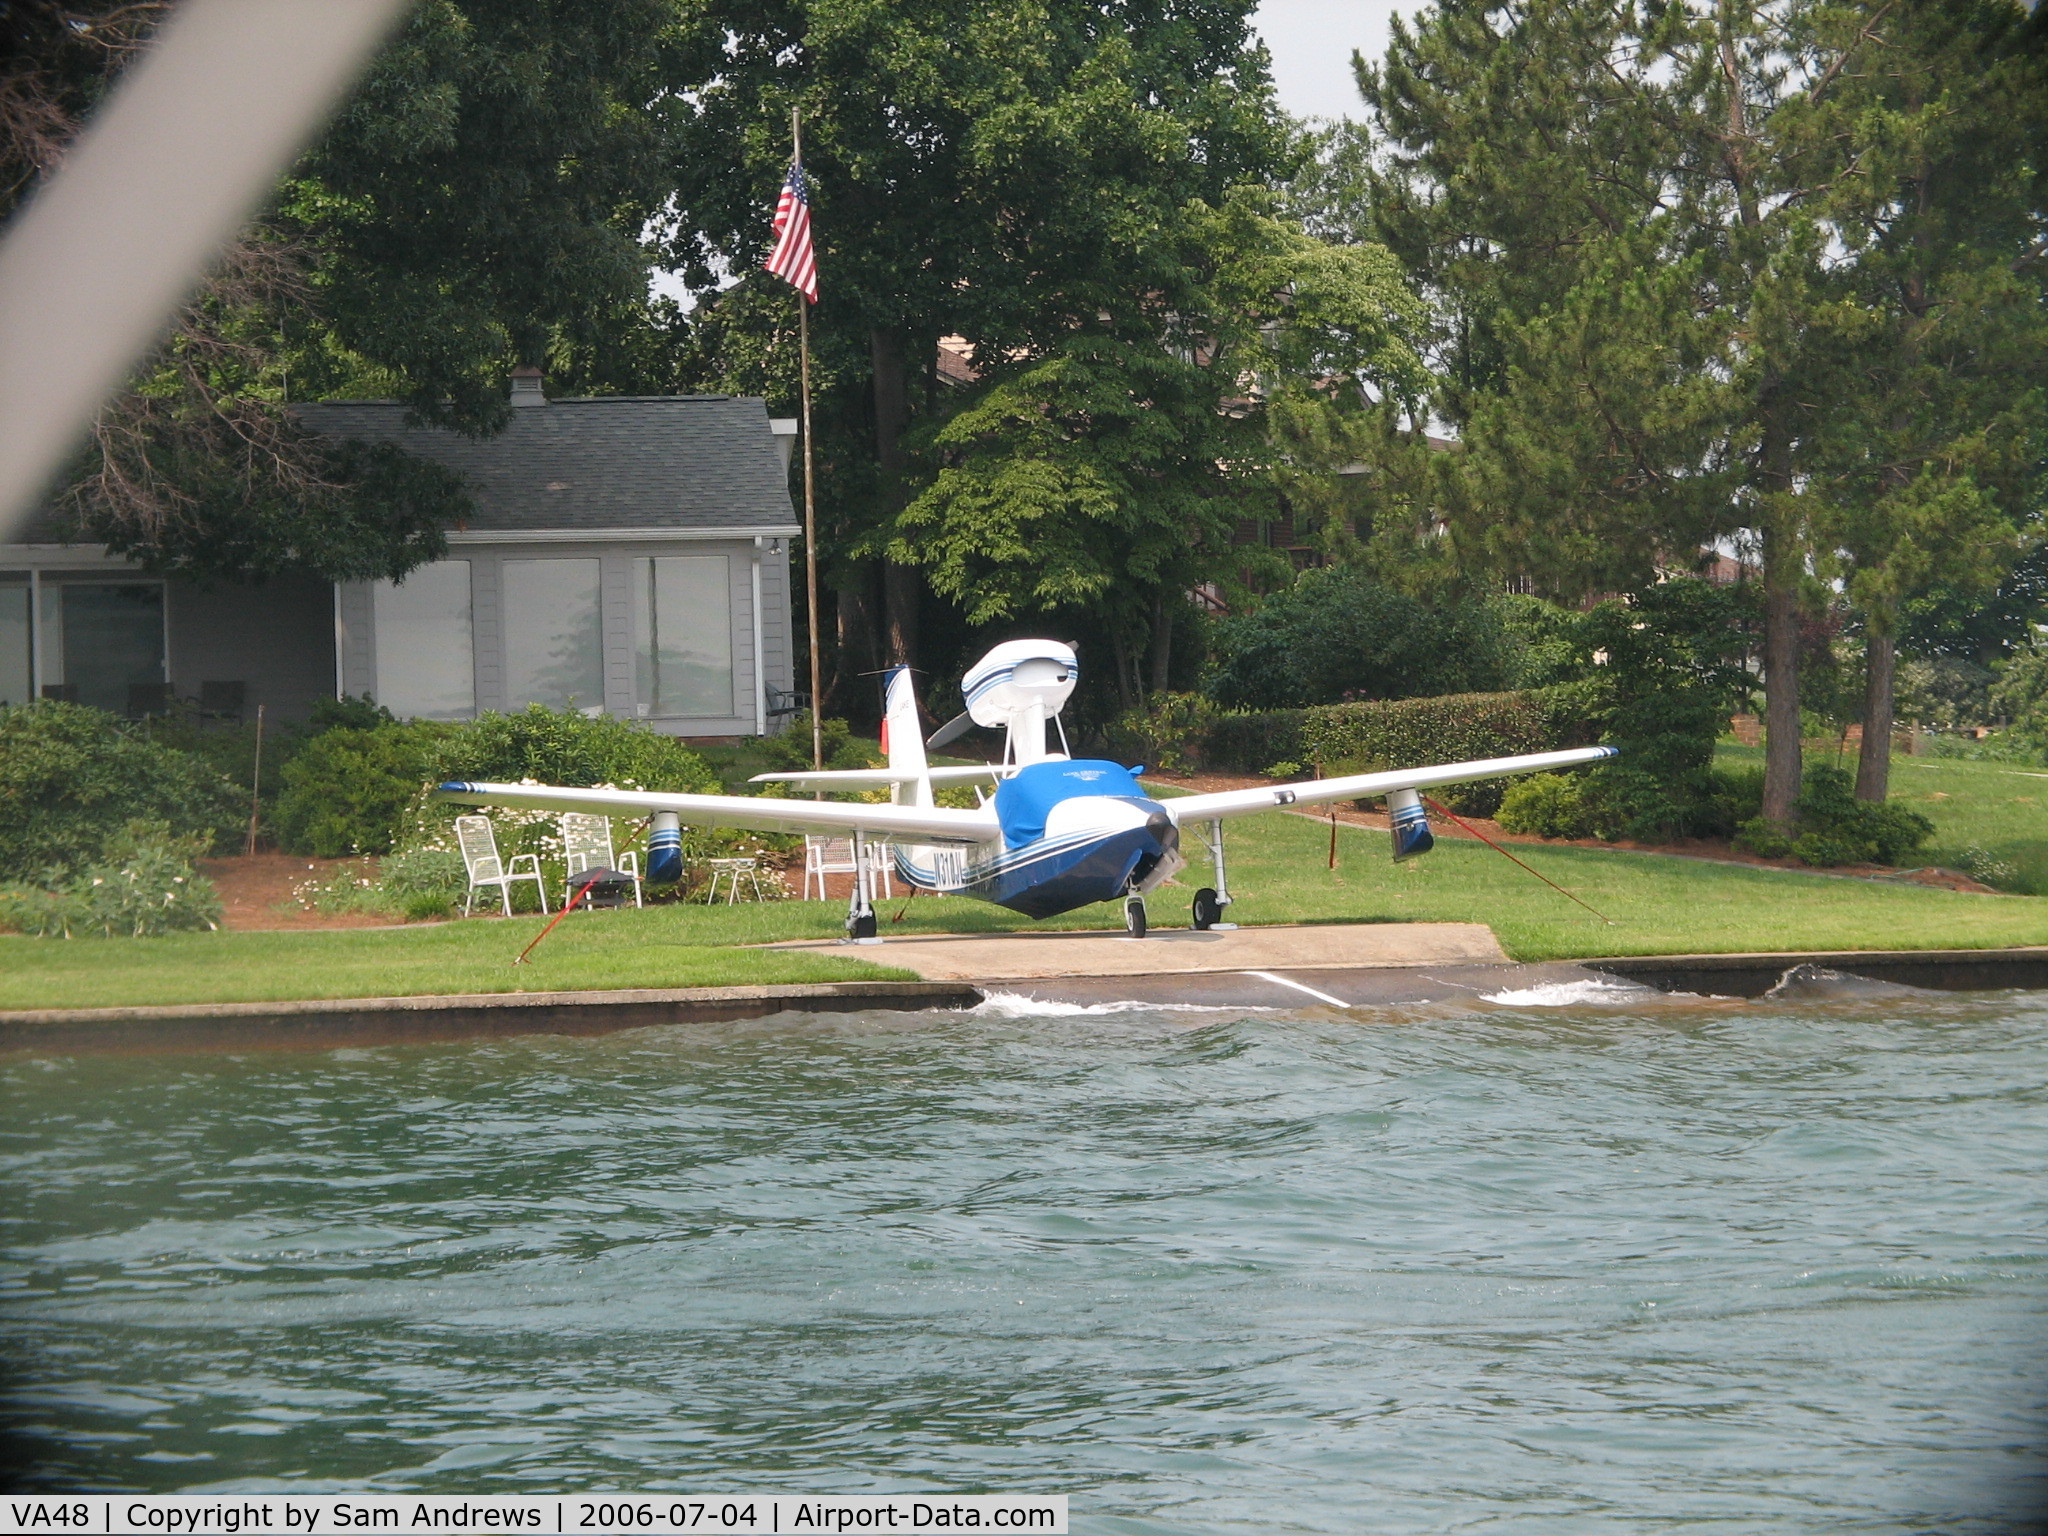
(1570, 1262)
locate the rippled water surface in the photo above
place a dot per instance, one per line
(1620, 1266)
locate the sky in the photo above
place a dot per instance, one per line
(1311, 42)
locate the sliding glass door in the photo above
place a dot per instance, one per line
(103, 639)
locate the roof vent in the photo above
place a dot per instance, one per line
(526, 387)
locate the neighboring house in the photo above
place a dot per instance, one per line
(629, 554)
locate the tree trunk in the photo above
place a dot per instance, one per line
(1781, 693)
(1874, 761)
(902, 589)
(1120, 657)
(1162, 640)
(856, 650)
(888, 346)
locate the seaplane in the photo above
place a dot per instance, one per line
(1052, 832)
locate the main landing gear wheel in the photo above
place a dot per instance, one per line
(861, 926)
(1208, 910)
(1134, 916)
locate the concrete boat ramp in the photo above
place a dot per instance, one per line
(1333, 964)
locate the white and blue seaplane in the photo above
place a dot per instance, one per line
(1055, 833)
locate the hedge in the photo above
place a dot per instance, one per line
(1182, 732)
(1251, 741)
(1457, 727)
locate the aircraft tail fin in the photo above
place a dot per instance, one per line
(903, 739)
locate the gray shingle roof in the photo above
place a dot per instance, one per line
(682, 462)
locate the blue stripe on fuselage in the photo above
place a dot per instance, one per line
(1055, 875)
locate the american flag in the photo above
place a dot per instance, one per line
(793, 260)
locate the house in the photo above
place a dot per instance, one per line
(629, 554)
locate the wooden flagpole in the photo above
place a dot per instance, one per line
(803, 341)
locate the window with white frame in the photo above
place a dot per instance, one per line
(426, 666)
(682, 635)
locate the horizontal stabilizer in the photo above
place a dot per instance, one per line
(878, 778)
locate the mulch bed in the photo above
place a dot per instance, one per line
(256, 893)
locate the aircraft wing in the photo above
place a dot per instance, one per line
(878, 778)
(907, 823)
(1242, 802)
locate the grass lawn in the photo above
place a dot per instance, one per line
(1660, 905)
(656, 948)
(2001, 808)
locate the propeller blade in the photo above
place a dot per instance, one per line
(951, 731)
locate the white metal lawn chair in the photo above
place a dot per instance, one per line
(479, 844)
(834, 856)
(587, 844)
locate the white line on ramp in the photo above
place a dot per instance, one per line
(1282, 981)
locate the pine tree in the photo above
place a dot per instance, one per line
(1931, 347)
(1622, 210)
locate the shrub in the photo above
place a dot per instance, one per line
(789, 750)
(145, 887)
(422, 882)
(1170, 735)
(554, 747)
(564, 746)
(2012, 746)
(1337, 634)
(360, 789)
(1544, 805)
(71, 778)
(1834, 827)
(348, 713)
(348, 790)
(1734, 796)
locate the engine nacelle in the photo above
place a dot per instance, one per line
(1410, 825)
(1020, 678)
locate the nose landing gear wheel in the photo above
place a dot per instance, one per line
(1134, 916)
(1208, 910)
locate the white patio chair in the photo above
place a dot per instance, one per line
(834, 856)
(587, 844)
(479, 844)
